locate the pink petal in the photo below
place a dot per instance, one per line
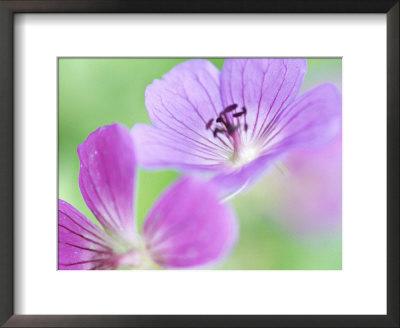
(182, 103)
(81, 244)
(242, 178)
(189, 227)
(264, 86)
(107, 177)
(312, 120)
(309, 197)
(157, 148)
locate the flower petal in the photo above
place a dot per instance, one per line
(264, 86)
(81, 244)
(237, 180)
(184, 101)
(156, 148)
(107, 177)
(313, 175)
(189, 227)
(312, 120)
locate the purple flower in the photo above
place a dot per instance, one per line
(233, 124)
(187, 227)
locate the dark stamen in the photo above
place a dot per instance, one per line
(216, 131)
(232, 128)
(225, 123)
(208, 125)
(230, 108)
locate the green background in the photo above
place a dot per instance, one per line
(95, 92)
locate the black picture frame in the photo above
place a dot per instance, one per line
(10, 7)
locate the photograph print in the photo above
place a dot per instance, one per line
(199, 163)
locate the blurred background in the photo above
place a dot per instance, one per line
(290, 220)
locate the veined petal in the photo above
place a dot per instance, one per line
(81, 244)
(189, 227)
(239, 179)
(156, 148)
(185, 100)
(265, 87)
(107, 177)
(312, 120)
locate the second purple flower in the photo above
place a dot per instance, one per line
(187, 227)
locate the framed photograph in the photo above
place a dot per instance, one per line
(213, 164)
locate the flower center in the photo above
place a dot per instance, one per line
(245, 155)
(228, 127)
(132, 258)
(136, 257)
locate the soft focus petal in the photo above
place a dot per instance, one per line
(156, 148)
(107, 177)
(184, 101)
(264, 86)
(312, 120)
(81, 244)
(237, 180)
(189, 227)
(308, 197)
